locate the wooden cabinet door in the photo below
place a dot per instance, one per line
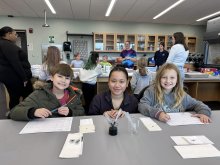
(98, 41)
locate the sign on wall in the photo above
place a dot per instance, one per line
(51, 39)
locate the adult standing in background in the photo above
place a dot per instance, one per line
(179, 52)
(53, 58)
(12, 73)
(28, 89)
(160, 56)
(128, 56)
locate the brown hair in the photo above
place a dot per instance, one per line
(62, 69)
(142, 63)
(177, 90)
(162, 43)
(53, 58)
(179, 39)
(77, 54)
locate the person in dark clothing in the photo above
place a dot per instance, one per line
(160, 56)
(116, 98)
(12, 73)
(128, 56)
(28, 89)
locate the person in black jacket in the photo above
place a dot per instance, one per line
(160, 56)
(110, 101)
(28, 89)
(12, 73)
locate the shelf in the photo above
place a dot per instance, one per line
(114, 42)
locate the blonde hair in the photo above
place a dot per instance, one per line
(177, 90)
(142, 63)
(53, 58)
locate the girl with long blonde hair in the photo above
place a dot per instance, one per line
(167, 96)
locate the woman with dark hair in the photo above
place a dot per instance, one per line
(88, 75)
(12, 73)
(116, 97)
(179, 52)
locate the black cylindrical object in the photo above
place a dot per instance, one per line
(113, 130)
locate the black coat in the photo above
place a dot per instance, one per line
(10, 64)
(103, 102)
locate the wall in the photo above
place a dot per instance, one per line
(58, 28)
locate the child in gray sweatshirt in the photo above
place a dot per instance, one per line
(167, 96)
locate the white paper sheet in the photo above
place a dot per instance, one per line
(73, 146)
(182, 118)
(190, 140)
(150, 124)
(197, 151)
(48, 125)
(86, 126)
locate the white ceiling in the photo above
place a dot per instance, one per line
(124, 11)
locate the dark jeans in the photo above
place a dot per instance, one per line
(89, 91)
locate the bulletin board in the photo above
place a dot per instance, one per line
(81, 46)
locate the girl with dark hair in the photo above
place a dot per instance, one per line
(160, 56)
(88, 76)
(179, 52)
(12, 72)
(116, 98)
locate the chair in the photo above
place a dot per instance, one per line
(140, 95)
(4, 102)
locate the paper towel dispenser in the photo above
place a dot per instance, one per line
(67, 46)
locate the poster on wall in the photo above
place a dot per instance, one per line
(81, 46)
(51, 39)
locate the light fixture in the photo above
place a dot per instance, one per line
(45, 20)
(208, 16)
(50, 6)
(168, 9)
(110, 7)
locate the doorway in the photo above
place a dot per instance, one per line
(22, 40)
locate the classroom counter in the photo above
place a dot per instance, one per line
(203, 89)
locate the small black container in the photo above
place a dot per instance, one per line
(113, 131)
